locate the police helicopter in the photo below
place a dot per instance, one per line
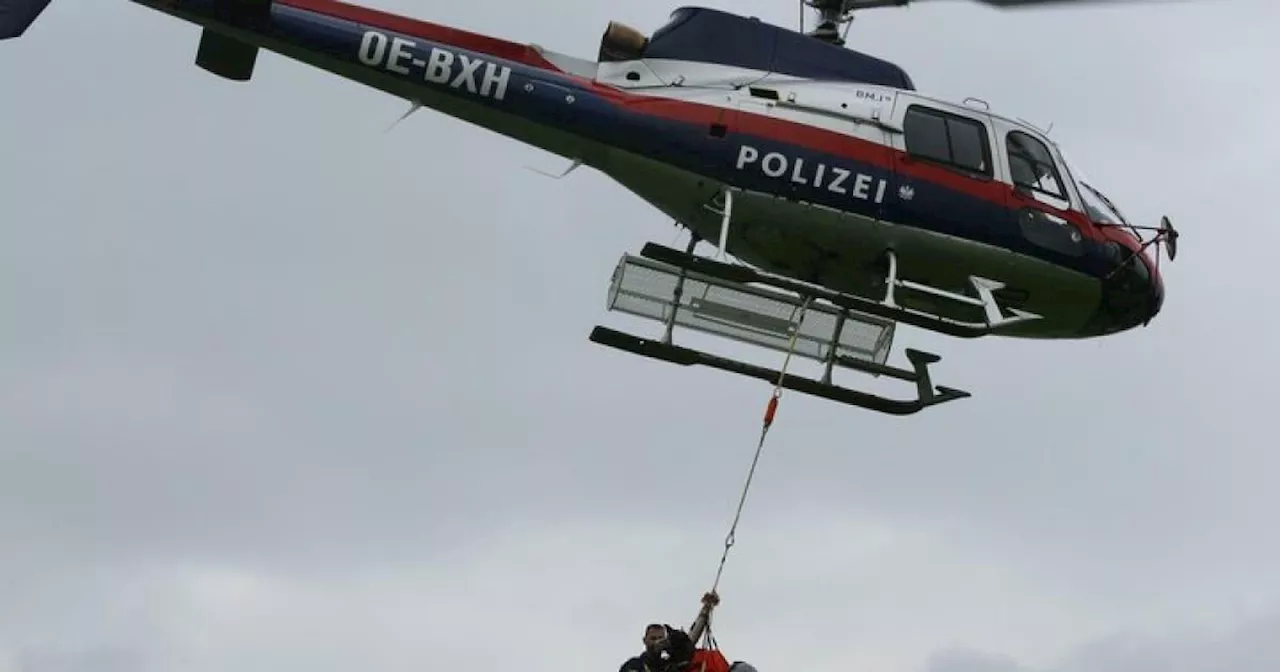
(839, 200)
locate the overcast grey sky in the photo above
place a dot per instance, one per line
(243, 425)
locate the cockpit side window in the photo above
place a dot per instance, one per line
(950, 139)
(1032, 166)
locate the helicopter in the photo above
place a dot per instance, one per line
(839, 199)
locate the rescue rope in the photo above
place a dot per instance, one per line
(770, 410)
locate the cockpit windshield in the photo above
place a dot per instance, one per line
(1099, 208)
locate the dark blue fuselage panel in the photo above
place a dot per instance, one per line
(17, 15)
(706, 35)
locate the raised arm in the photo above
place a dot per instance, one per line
(699, 627)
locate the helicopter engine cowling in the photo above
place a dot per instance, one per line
(621, 43)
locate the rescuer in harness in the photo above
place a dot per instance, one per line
(668, 649)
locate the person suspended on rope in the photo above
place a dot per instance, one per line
(665, 649)
(669, 649)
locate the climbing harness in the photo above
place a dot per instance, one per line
(770, 410)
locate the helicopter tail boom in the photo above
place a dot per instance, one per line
(493, 47)
(511, 88)
(323, 16)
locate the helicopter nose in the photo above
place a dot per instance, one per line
(1132, 294)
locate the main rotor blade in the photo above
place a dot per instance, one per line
(1020, 4)
(834, 7)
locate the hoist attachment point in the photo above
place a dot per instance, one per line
(738, 303)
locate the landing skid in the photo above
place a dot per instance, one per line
(746, 305)
(688, 357)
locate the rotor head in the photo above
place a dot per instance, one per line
(832, 14)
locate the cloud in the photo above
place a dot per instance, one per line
(104, 659)
(961, 660)
(281, 390)
(1248, 643)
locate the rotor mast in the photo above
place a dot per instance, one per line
(834, 13)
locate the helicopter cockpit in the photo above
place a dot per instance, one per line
(709, 36)
(1031, 165)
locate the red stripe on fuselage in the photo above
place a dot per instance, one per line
(832, 142)
(456, 37)
(822, 140)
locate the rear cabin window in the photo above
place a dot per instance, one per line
(948, 139)
(1031, 165)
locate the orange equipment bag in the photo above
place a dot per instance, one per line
(708, 660)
